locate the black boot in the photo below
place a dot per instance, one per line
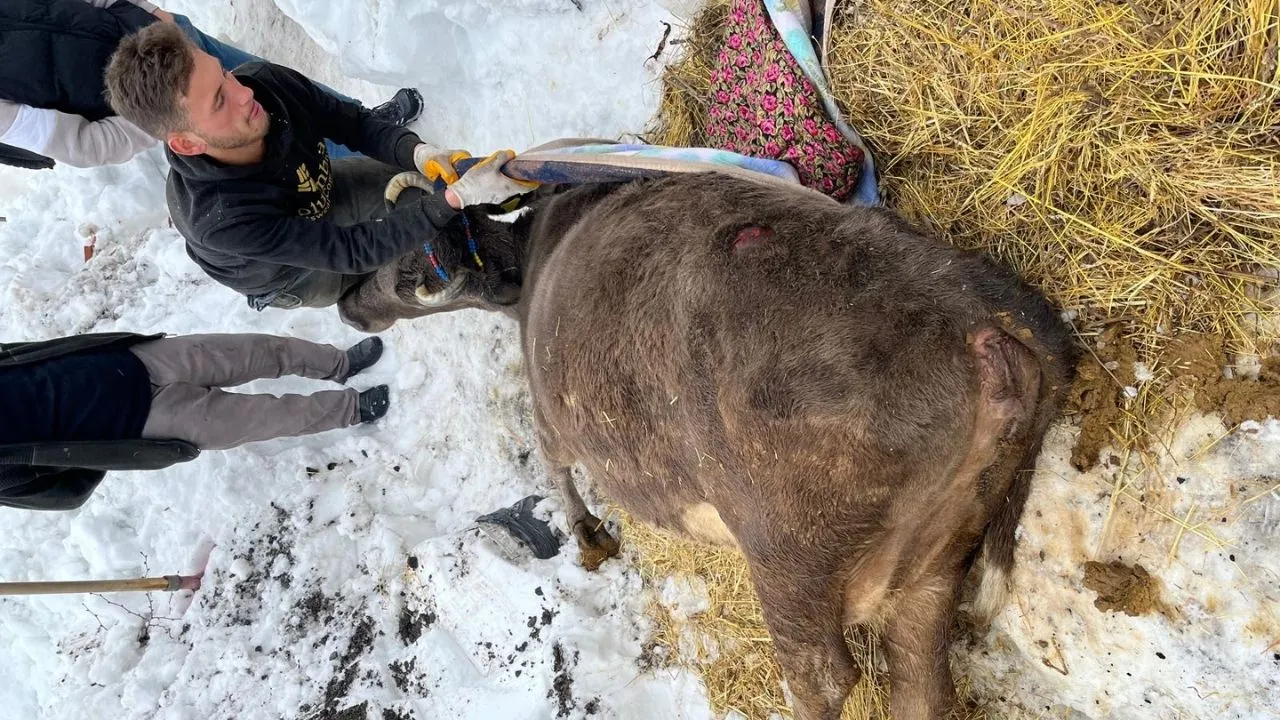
(361, 357)
(403, 108)
(374, 403)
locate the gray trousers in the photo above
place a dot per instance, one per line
(187, 402)
(358, 184)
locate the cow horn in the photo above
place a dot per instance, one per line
(400, 182)
(441, 297)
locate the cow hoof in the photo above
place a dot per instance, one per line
(595, 544)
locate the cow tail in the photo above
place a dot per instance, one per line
(1055, 353)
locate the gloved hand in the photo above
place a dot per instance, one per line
(485, 184)
(437, 163)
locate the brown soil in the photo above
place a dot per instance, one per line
(1194, 365)
(1129, 589)
(1240, 400)
(1197, 362)
(1097, 396)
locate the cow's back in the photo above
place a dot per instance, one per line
(706, 339)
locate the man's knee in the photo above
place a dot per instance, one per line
(358, 187)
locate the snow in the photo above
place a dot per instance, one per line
(309, 606)
(346, 568)
(1212, 652)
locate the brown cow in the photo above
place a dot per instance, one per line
(854, 406)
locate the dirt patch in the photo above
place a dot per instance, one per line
(405, 675)
(1189, 368)
(413, 623)
(317, 607)
(1198, 356)
(1197, 360)
(1097, 396)
(1240, 400)
(1129, 589)
(355, 712)
(347, 666)
(562, 685)
(240, 599)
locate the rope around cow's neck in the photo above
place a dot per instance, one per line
(472, 246)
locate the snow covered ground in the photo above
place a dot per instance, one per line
(346, 580)
(311, 606)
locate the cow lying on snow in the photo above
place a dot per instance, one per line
(856, 407)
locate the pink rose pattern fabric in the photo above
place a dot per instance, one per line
(763, 105)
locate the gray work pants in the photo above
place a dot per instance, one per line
(187, 402)
(358, 186)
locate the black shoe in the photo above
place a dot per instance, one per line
(403, 108)
(374, 403)
(362, 356)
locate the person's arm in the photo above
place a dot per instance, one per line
(71, 139)
(351, 124)
(351, 249)
(148, 6)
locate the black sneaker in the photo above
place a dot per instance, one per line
(374, 403)
(362, 356)
(403, 108)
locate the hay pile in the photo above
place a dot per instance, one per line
(1122, 156)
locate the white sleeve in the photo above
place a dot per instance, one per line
(26, 127)
(72, 139)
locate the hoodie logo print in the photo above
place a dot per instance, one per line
(305, 183)
(321, 184)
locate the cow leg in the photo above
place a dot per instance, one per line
(916, 644)
(595, 544)
(806, 622)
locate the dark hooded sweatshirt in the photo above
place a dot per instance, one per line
(258, 228)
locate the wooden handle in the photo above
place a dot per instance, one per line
(168, 583)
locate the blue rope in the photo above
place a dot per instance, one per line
(435, 262)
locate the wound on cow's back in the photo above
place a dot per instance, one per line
(751, 236)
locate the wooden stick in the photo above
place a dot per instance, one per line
(168, 583)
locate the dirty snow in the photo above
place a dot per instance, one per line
(311, 608)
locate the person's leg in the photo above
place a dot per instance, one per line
(358, 187)
(339, 152)
(229, 360)
(315, 289)
(232, 57)
(213, 419)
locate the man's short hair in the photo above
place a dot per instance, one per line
(147, 77)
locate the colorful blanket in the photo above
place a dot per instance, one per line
(770, 99)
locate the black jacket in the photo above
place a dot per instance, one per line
(58, 475)
(17, 157)
(53, 53)
(258, 228)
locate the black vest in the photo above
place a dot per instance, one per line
(53, 53)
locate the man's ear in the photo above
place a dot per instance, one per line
(184, 143)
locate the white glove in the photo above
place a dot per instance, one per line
(485, 184)
(437, 163)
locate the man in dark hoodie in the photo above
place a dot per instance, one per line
(73, 408)
(251, 187)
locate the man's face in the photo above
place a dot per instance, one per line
(222, 113)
